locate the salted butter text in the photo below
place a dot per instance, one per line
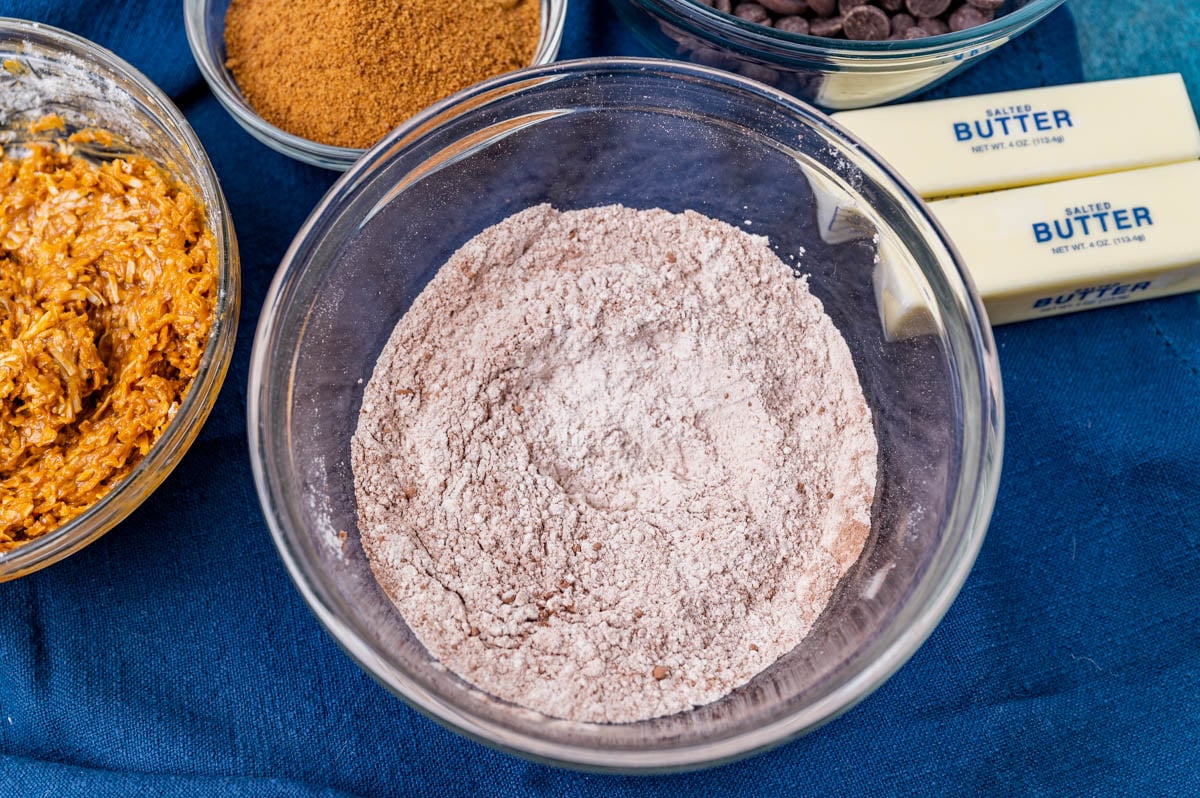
(1012, 121)
(1111, 291)
(1090, 220)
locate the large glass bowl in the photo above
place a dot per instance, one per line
(644, 133)
(205, 22)
(832, 73)
(60, 73)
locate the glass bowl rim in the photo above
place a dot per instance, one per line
(328, 156)
(977, 496)
(717, 27)
(175, 440)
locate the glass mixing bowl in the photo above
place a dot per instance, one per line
(647, 134)
(55, 72)
(205, 22)
(832, 73)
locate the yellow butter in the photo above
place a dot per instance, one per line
(1080, 244)
(966, 145)
(902, 294)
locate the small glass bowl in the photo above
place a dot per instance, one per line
(644, 133)
(88, 86)
(832, 73)
(205, 22)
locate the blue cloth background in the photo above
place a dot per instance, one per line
(174, 657)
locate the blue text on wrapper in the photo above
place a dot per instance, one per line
(1090, 220)
(1012, 121)
(1111, 291)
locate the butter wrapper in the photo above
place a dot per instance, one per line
(967, 145)
(1080, 244)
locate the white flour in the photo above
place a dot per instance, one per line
(612, 463)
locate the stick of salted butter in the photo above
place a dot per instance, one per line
(1080, 244)
(966, 145)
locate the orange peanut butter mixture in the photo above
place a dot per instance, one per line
(108, 285)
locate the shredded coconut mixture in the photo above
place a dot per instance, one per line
(613, 463)
(108, 288)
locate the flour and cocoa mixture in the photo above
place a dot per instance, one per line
(612, 463)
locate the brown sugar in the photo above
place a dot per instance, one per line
(107, 294)
(345, 72)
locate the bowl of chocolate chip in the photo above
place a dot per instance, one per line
(837, 54)
(625, 414)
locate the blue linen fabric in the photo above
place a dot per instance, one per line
(174, 658)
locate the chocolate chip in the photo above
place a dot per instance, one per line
(785, 7)
(933, 26)
(752, 12)
(763, 74)
(825, 27)
(927, 8)
(862, 20)
(968, 17)
(797, 25)
(902, 22)
(866, 24)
